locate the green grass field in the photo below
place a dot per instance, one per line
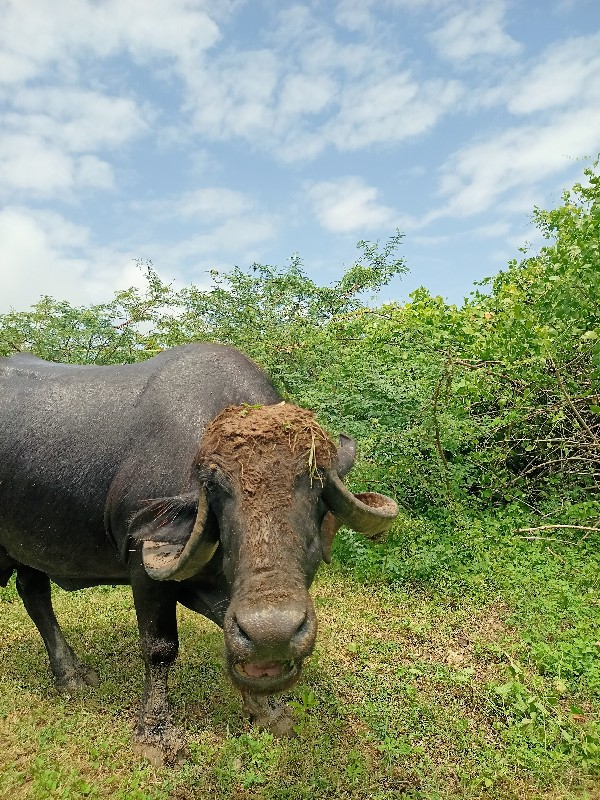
(451, 687)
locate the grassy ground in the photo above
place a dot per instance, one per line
(455, 686)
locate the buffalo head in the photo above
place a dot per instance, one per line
(270, 496)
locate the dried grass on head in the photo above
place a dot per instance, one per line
(253, 442)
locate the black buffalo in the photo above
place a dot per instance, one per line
(187, 477)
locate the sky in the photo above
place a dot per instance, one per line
(203, 134)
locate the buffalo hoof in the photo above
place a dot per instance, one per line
(269, 714)
(72, 680)
(162, 747)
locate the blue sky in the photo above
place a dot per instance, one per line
(201, 134)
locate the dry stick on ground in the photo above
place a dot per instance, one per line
(587, 528)
(544, 539)
(549, 527)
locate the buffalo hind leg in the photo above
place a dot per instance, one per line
(269, 713)
(155, 737)
(69, 672)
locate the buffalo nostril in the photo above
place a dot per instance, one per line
(240, 633)
(302, 628)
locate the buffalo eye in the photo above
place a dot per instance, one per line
(215, 480)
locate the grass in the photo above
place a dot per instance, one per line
(479, 679)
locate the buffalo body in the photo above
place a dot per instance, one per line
(187, 477)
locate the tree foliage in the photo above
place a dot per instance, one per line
(494, 402)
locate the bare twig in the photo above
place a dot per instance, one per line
(543, 465)
(552, 527)
(544, 539)
(573, 407)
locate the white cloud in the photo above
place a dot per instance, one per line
(94, 172)
(39, 169)
(500, 229)
(323, 54)
(431, 241)
(78, 120)
(234, 95)
(209, 204)
(179, 29)
(476, 176)
(313, 89)
(50, 137)
(237, 237)
(529, 237)
(293, 99)
(347, 205)
(567, 72)
(418, 5)
(390, 110)
(15, 68)
(475, 31)
(305, 94)
(36, 35)
(491, 231)
(254, 99)
(226, 223)
(523, 202)
(559, 91)
(214, 203)
(41, 253)
(354, 14)
(33, 166)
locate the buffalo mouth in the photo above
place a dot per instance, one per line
(265, 676)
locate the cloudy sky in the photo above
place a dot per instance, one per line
(201, 134)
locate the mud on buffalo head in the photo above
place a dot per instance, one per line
(272, 498)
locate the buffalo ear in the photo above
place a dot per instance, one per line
(165, 519)
(329, 527)
(176, 545)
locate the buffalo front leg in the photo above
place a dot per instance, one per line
(155, 737)
(69, 673)
(269, 713)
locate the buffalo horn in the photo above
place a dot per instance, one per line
(346, 454)
(369, 513)
(165, 561)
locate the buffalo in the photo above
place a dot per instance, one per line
(187, 477)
